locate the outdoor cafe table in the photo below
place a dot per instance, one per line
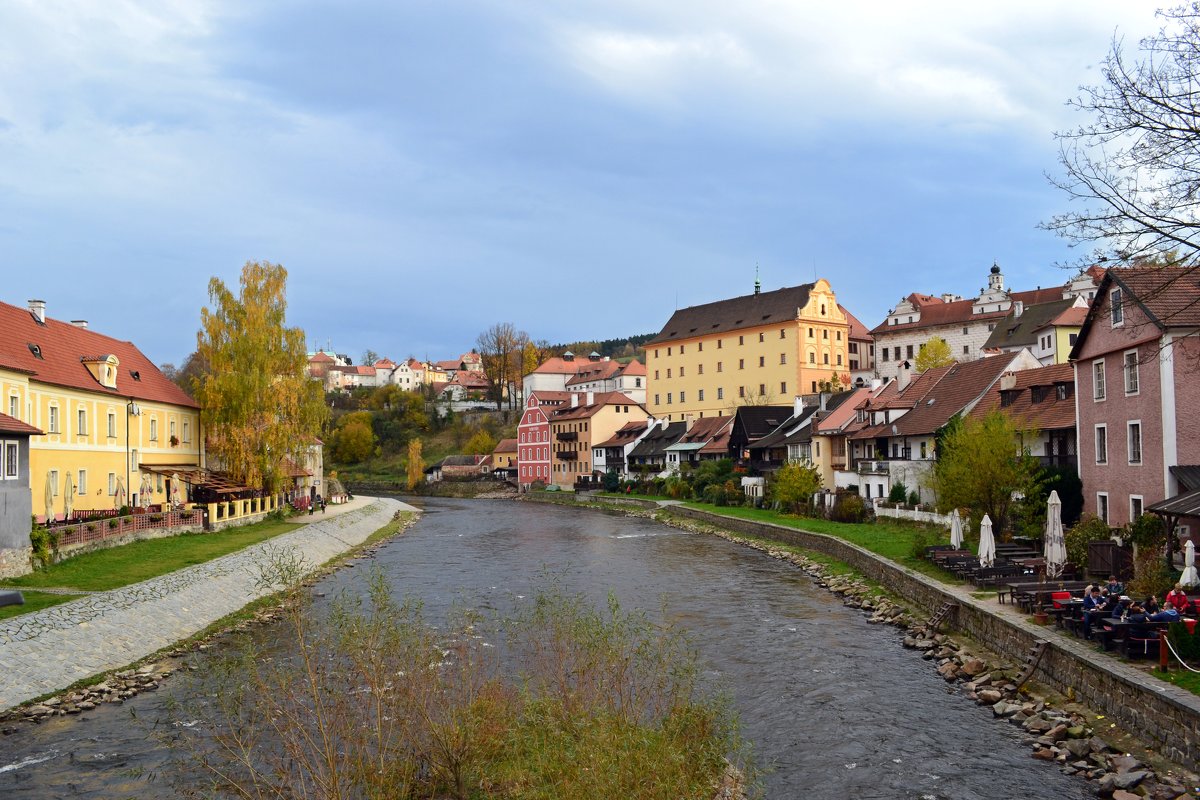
(1115, 630)
(1039, 589)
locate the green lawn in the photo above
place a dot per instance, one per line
(101, 570)
(35, 601)
(886, 538)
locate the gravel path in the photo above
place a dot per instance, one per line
(50, 649)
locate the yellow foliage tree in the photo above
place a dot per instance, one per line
(259, 406)
(416, 464)
(934, 353)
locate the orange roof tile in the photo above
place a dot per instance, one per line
(61, 345)
(13, 425)
(1049, 413)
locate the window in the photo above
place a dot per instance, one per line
(1131, 372)
(1135, 507)
(762, 337)
(741, 391)
(1101, 444)
(656, 352)
(655, 374)
(896, 353)
(837, 335)
(12, 454)
(720, 393)
(810, 333)
(825, 335)
(720, 344)
(966, 331)
(112, 483)
(839, 360)
(14, 407)
(81, 423)
(966, 349)
(720, 366)
(1063, 390)
(783, 333)
(762, 361)
(681, 397)
(812, 357)
(762, 388)
(668, 351)
(699, 369)
(54, 482)
(637, 383)
(172, 428)
(81, 486)
(681, 349)
(1071, 337)
(153, 429)
(112, 425)
(700, 347)
(1118, 312)
(924, 449)
(1135, 442)
(668, 372)
(133, 460)
(783, 358)
(908, 351)
(701, 396)
(656, 401)
(1102, 506)
(741, 340)
(668, 398)
(1098, 380)
(53, 425)
(741, 363)
(884, 354)
(681, 372)
(783, 387)
(825, 358)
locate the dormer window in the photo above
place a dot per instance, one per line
(103, 369)
(36, 350)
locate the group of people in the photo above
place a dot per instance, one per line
(1109, 601)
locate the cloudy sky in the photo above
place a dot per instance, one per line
(425, 168)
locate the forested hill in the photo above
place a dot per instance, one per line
(626, 347)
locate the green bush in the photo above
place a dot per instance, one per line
(922, 539)
(898, 494)
(849, 508)
(1088, 529)
(676, 488)
(724, 494)
(914, 499)
(612, 481)
(44, 543)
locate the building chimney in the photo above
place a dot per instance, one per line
(1008, 381)
(689, 420)
(797, 406)
(38, 309)
(876, 383)
(1018, 308)
(903, 376)
(574, 400)
(591, 398)
(79, 323)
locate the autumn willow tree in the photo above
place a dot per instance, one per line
(259, 407)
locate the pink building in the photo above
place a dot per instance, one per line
(533, 436)
(1137, 362)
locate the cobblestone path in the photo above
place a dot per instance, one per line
(50, 649)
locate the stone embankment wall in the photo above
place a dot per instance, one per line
(15, 561)
(1158, 713)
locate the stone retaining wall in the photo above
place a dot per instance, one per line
(15, 561)
(1163, 716)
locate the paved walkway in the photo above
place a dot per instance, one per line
(48, 650)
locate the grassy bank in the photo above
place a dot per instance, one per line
(101, 570)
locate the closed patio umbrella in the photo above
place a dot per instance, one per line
(956, 529)
(119, 494)
(1190, 577)
(146, 492)
(68, 498)
(987, 542)
(176, 490)
(49, 498)
(1055, 545)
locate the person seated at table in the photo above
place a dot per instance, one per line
(1177, 599)
(1151, 604)
(1168, 614)
(1093, 608)
(1114, 586)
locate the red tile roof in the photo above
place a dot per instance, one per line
(857, 329)
(1049, 413)
(62, 345)
(595, 371)
(627, 433)
(599, 400)
(634, 368)
(13, 425)
(958, 387)
(937, 313)
(320, 358)
(506, 446)
(556, 365)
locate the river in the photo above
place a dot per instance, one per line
(833, 706)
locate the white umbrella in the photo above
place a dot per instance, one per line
(1055, 545)
(68, 498)
(987, 542)
(146, 492)
(49, 499)
(176, 490)
(119, 494)
(956, 529)
(1189, 578)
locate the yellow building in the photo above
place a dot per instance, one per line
(764, 349)
(108, 413)
(590, 418)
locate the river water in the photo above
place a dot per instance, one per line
(834, 707)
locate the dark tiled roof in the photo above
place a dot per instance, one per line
(781, 434)
(752, 310)
(658, 440)
(1188, 476)
(1021, 331)
(1170, 296)
(625, 434)
(1049, 413)
(62, 345)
